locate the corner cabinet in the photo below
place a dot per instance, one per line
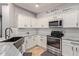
(41, 41)
(32, 41)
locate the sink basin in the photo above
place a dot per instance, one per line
(13, 39)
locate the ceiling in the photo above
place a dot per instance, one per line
(42, 6)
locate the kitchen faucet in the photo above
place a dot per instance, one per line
(7, 34)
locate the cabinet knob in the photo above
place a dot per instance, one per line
(76, 49)
(73, 51)
(31, 25)
(76, 24)
(42, 25)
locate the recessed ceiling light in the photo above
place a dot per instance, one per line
(37, 5)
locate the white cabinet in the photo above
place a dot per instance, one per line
(70, 48)
(43, 22)
(29, 42)
(34, 40)
(70, 19)
(25, 21)
(33, 22)
(21, 21)
(77, 51)
(67, 50)
(41, 41)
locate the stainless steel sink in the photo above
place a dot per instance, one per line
(13, 39)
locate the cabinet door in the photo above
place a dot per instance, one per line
(67, 50)
(21, 21)
(37, 38)
(32, 41)
(27, 21)
(78, 19)
(43, 41)
(43, 23)
(76, 51)
(70, 19)
(33, 23)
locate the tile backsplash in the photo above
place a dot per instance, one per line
(68, 32)
(39, 31)
(71, 32)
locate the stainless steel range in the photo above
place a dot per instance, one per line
(54, 43)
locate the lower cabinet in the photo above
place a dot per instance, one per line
(29, 42)
(67, 50)
(34, 40)
(70, 49)
(76, 51)
(41, 40)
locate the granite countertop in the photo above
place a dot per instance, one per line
(71, 39)
(1, 39)
(7, 49)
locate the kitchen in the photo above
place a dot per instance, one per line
(39, 29)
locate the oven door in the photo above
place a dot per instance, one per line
(54, 43)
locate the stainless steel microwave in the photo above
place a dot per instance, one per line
(55, 23)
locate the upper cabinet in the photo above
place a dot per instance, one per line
(21, 21)
(25, 21)
(69, 16)
(70, 19)
(33, 22)
(43, 22)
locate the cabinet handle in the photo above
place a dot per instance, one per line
(31, 25)
(76, 50)
(72, 51)
(42, 25)
(76, 24)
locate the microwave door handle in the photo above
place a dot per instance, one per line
(58, 23)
